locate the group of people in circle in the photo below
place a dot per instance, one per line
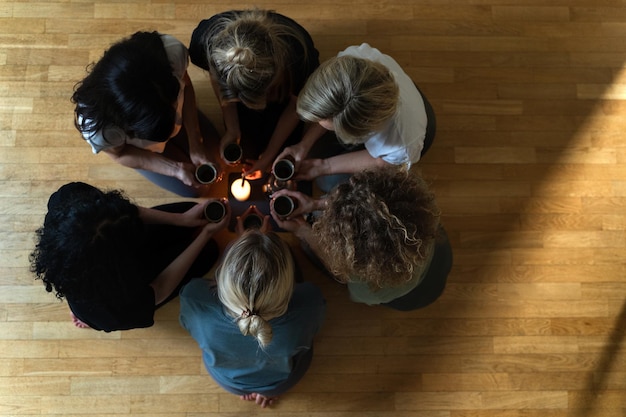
(354, 124)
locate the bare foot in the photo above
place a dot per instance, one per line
(78, 323)
(261, 400)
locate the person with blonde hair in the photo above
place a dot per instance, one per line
(374, 109)
(380, 234)
(254, 322)
(258, 61)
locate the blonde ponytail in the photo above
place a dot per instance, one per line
(255, 282)
(255, 326)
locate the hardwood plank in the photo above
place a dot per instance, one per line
(528, 167)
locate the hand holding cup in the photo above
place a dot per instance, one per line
(207, 173)
(252, 218)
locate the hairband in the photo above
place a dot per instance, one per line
(247, 313)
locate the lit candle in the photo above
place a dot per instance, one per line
(240, 189)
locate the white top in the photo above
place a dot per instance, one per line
(402, 139)
(113, 136)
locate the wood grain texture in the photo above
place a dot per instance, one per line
(529, 168)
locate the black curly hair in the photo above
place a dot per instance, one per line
(88, 247)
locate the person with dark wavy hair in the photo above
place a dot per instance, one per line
(116, 262)
(380, 234)
(258, 61)
(138, 105)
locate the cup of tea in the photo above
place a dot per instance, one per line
(233, 153)
(206, 173)
(252, 221)
(284, 205)
(214, 211)
(284, 169)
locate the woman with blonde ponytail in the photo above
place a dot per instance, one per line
(254, 323)
(258, 61)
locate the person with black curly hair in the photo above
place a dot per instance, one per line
(380, 234)
(116, 262)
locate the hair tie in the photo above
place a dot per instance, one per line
(247, 313)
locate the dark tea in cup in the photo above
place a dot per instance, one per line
(206, 173)
(284, 205)
(232, 153)
(284, 169)
(214, 211)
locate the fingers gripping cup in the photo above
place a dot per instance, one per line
(284, 205)
(214, 211)
(206, 173)
(252, 221)
(284, 169)
(233, 153)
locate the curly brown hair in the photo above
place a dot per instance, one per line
(376, 227)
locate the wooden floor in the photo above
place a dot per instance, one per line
(529, 167)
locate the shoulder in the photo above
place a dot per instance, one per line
(177, 55)
(207, 28)
(202, 35)
(286, 21)
(362, 51)
(302, 55)
(299, 38)
(197, 288)
(198, 299)
(307, 295)
(366, 51)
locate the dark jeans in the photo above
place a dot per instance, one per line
(178, 149)
(434, 283)
(431, 125)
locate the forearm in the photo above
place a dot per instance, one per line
(153, 216)
(286, 124)
(229, 110)
(305, 234)
(320, 204)
(352, 162)
(190, 118)
(137, 158)
(231, 118)
(312, 134)
(167, 281)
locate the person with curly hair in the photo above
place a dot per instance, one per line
(116, 262)
(258, 61)
(375, 110)
(254, 322)
(380, 234)
(138, 105)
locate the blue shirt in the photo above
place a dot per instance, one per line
(237, 361)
